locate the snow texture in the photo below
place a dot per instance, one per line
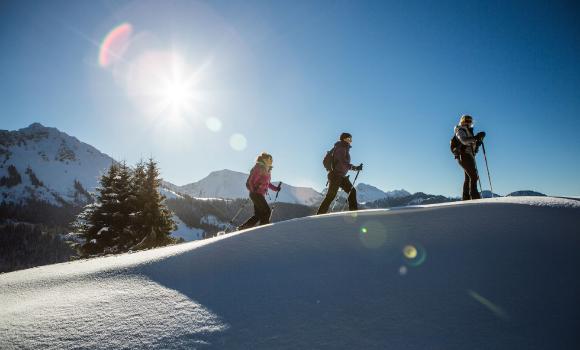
(488, 274)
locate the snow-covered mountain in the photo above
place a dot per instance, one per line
(367, 193)
(232, 184)
(45, 164)
(525, 193)
(380, 279)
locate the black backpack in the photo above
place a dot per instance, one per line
(456, 146)
(328, 160)
(248, 180)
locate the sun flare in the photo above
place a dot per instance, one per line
(164, 85)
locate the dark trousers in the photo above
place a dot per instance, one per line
(467, 162)
(334, 183)
(261, 212)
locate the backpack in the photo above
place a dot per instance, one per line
(456, 146)
(248, 179)
(328, 161)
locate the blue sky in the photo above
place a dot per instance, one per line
(291, 76)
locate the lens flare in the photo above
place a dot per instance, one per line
(115, 44)
(374, 235)
(213, 124)
(238, 142)
(495, 309)
(410, 252)
(415, 255)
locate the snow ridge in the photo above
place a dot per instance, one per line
(412, 278)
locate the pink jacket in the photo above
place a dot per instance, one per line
(259, 180)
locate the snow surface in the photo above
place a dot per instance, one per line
(490, 274)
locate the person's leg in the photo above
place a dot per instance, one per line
(466, 180)
(332, 191)
(263, 210)
(471, 173)
(347, 187)
(253, 220)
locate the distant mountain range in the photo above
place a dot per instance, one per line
(232, 184)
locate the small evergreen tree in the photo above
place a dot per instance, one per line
(128, 213)
(137, 202)
(120, 230)
(154, 218)
(99, 217)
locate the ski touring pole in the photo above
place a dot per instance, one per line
(487, 167)
(275, 199)
(348, 194)
(478, 177)
(234, 218)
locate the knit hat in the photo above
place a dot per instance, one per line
(466, 119)
(345, 135)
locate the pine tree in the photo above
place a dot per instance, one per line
(137, 202)
(96, 230)
(155, 218)
(128, 213)
(122, 236)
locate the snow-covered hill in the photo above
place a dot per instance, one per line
(48, 165)
(232, 184)
(367, 193)
(490, 274)
(525, 193)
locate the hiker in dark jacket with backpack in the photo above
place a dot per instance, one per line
(339, 159)
(258, 184)
(464, 146)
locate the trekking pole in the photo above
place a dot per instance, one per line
(275, 199)
(478, 177)
(487, 167)
(238, 213)
(348, 194)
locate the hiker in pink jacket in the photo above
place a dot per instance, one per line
(258, 184)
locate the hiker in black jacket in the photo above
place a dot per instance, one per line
(337, 177)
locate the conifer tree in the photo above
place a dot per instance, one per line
(98, 217)
(129, 212)
(137, 202)
(155, 218)
(121, 210)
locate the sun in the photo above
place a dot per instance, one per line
(176, 96)
(164, 85)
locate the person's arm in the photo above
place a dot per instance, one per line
(464, 139)
(273, 188)
(342, 157)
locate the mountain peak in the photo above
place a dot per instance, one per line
(36, 126)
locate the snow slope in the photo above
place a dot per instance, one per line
(490, 274)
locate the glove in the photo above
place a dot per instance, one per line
(357, 168)
(480, 135)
